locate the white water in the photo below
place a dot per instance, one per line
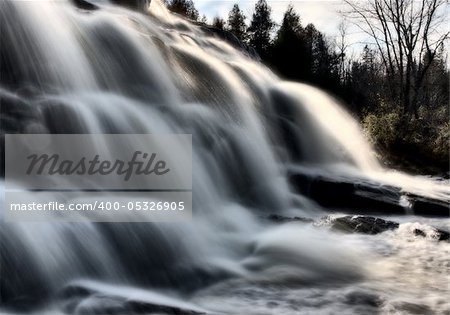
(118, 71)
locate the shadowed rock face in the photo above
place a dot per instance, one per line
(135, 4)
(364, 195)
(84, 5)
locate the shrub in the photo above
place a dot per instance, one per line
(382, 129)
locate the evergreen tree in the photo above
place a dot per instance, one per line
(288, 50)
(218, 23)
(236, 23)
(260, 29)
(291, 23)
(325, 65)
(184, 7)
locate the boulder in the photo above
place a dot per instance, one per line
(438, 234)
(282, 219)
(372, 225)
(360, 224)
(363, 224)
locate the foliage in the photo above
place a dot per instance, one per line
(184, 7)
(236, 23)
(381, 128)
(289, 52)
(218, 23)
(303, 53)
(260, 28)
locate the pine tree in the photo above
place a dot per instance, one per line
(288, 51)
(290, 25)
(260, 29)
(236, 23)
(218, 23)
(184, 7)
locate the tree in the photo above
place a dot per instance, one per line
(366, 79)
(236, 23)
(218, 23)
(342, 47)
(325, 66)
(288, 49)
(260, 28)
(204, 19)
(184, 7)
(408, 34)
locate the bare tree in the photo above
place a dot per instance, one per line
(342, 46)
(408, 34)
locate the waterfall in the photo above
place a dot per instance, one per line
(113, 70)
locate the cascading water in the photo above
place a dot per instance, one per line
(113, 70)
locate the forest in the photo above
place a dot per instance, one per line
(397, 87)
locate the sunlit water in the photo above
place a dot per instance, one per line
(112, 70)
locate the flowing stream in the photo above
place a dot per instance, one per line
(114, 70)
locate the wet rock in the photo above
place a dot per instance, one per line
(134, 4)
(363, 224)
(141, 307)
(359, 196)
(100, 305)
(92, 298)
(282, 219)
(84, 5)
(438, 234)
(60, 118)
(363, 298)
(429, 207)
(350, 195)
(372, 225)
(443, 235)
(418, 232)
(15, 113)
(413, 308)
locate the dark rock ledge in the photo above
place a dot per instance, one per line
(359, 224)
(365, 197)
(93, 299)
(132, 4)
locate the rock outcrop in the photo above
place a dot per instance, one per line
(134, 4)
(361, 196)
